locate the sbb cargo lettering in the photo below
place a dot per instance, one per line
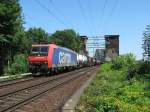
(64, 58)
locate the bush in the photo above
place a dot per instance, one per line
(143, 69)
(125, 61)
(111, 92)
(20, 65)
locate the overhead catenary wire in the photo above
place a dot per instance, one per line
(50, 12)
(81, 9)
(59, 11)
(99, 27)
(91, 15)
(31, 19)
(99, 24)
(83, 14)
(113, 8)
(92, 27)
(111, 14)
(25, 17)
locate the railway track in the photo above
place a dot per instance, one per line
(20, 85)
(12, 82)
(8, 83)
(14, 99)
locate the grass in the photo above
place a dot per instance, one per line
(12, 77)
(110, 91)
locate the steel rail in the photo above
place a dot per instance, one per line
(68, 79)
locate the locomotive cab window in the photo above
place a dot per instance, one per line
(34, 51)
(44, 51)
(39, 51)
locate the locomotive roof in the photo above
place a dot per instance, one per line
(36, 45)
(46, 45)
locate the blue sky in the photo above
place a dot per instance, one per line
(128, 18)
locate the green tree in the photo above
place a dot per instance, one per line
(11, 31)
(146, 43)
(67, 38)
(37, 35)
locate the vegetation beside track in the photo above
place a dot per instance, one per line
(121, 85)
(15, 41)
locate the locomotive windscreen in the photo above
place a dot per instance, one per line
(39, 51)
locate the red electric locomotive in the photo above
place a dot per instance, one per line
(46, 58)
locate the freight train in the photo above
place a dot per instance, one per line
(50, 58)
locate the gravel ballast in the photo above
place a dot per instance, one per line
(53, 101)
